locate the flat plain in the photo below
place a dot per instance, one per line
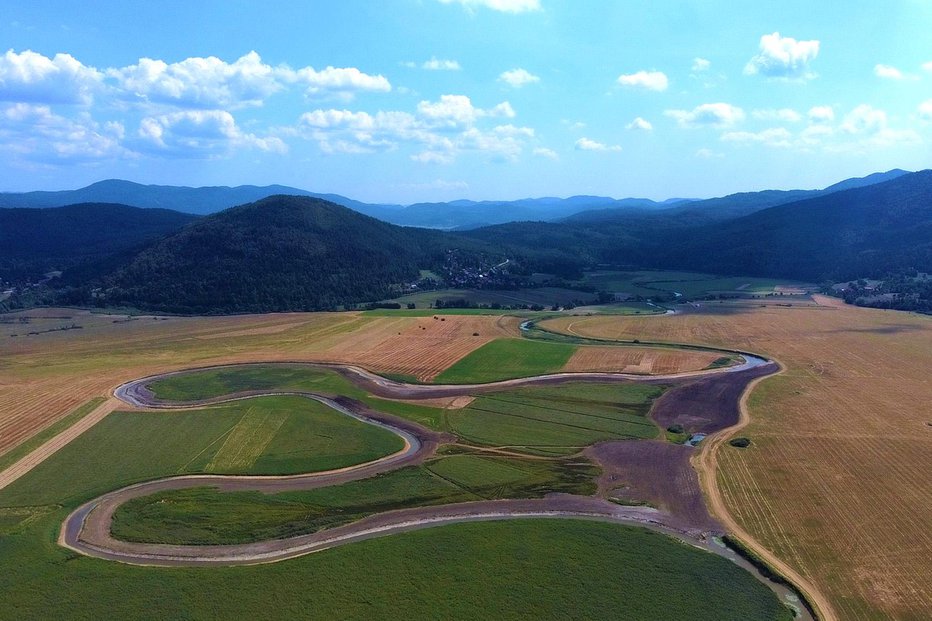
(837, 481)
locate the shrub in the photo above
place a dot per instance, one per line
(740, 442)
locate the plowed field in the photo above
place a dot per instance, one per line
(838, 480)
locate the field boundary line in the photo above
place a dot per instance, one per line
(706, 465)
(52, 446)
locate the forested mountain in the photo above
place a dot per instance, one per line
(33, 241)
(869, 230)
(278, 254)
(866, 231)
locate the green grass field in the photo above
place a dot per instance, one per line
(557, 420)
(541, 569)
(206, 516)
(223, 381)
(505, 359)
(662, 284)
(543, 296)
(268, 435)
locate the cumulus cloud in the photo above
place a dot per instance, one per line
(503, 6)
(787, 115)
(700, 65)
(199, 134)
(821, 114)
(773, 137)
(550, 154)
(649, 80)
(440, 64)
(441, 129)
(716, 115)
(211, 82)
(344, 81)
(586, 144)
(864, 118)
(30, 77)
(518, 78)
(33, 132)
(640, 124)
(887, 72)
(927, 66)
(783, 58)
(925, 110)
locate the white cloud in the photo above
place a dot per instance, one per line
(34, 133)
(342, 81)
(436, 184)
(925, 110)
(547, 153)
(441, 129)
(640, 124)
(717, 115)
(787, 115)
(439, 64)
(458, 111)
(211, 82)
(888, 72)
(864, 119)
(783, 58)
(518, 78)
(199, 134)
(709, 154)
(650, 80)
(586, 144)
(504, 6)
(821, 114)
(33, 78)
(700, 65)
(773, 137)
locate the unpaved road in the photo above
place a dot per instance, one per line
(706, 463)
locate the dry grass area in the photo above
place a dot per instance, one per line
(418, 346)
(643, 360)
(47, 374)
(838, 481)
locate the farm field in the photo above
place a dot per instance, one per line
(133, 446)
(268, 435)
(652, 361)
(46, 376)
(524, 565)
(557, 420)
(836, 482)
(542, 296)
(505, 359)
(653, 284)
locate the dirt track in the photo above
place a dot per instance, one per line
(706, 466)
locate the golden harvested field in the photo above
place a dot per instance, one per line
(45, 376)
(418, 346)
(645, 360)
(838, 481)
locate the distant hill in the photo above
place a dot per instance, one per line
(862, 231)
(201, 201)
(33, 241)
(281, 253)
(740, 204)
(460, 214)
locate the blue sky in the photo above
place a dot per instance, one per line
(417, 100)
